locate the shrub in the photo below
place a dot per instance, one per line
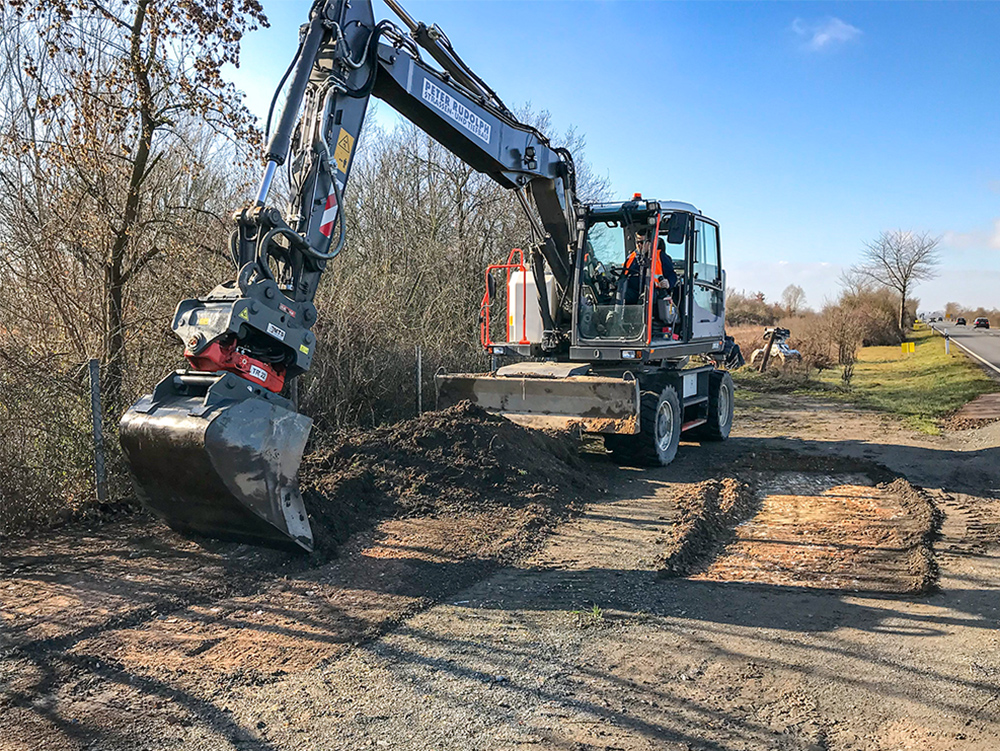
(752, 309)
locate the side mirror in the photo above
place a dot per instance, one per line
(677, 227)
(491, 285)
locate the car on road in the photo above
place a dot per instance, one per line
(981, 323)
(959, 321)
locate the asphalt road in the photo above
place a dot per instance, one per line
(983, 343)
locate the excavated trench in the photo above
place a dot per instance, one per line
(807, 522)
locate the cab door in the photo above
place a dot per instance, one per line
(708, 283)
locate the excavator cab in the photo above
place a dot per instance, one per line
(650, 277)
(648, 293)
(629, 291)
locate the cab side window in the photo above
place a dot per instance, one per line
(706, 253)
(708, 292)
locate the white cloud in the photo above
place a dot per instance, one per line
(821, 35)
(975, 240)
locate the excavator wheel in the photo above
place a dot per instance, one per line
(659, 431)
(720, 408)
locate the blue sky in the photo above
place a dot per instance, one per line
(805, 129)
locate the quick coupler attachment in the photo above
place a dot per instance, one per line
(217, 455)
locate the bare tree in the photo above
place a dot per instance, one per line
(845, 326)
(793, 299)
(105, 98)
(121, 158)
(899, 259)
(854, 282)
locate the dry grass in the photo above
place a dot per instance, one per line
(923, 388)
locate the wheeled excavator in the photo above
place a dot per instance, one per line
(592, 326)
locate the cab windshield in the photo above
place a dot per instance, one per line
(604, 313)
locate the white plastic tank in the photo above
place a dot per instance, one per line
(524, 317)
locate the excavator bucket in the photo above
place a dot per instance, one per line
(212, 455)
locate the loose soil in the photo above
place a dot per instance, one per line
(458, 461)
(822, 580)
(838, 532)
(981, 411)
(805, 528)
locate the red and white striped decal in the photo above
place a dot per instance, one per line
(329, 214)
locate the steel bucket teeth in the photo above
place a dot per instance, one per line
(229, 471)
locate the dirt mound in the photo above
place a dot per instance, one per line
(707, 513)
(957, 423)
(455, 461)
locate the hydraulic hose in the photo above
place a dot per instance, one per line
(277, 91)
(371, 53)
(234, 247)
(246, 273)
(264, 245)
(300, 243)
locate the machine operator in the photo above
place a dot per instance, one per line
(664, 276)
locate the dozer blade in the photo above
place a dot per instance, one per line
(218, 466)
(592, 404)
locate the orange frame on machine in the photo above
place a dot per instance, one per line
(654, 258)
(484, 309)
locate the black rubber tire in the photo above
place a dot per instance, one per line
(646, 448)
(720, 407)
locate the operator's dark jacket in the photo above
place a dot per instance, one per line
(631, 282)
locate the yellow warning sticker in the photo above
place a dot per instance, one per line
(304, 349)
(345, 144)
(244, 315)
(204, 321)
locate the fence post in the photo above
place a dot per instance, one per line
(100, 474)
(420, 380)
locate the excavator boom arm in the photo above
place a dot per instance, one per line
(344, 58)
